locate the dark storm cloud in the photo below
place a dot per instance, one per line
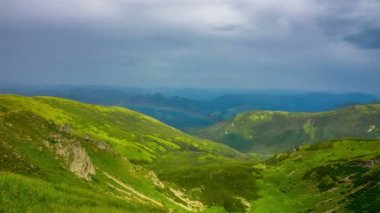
(203, 43)
(357, 22)
(366, 39)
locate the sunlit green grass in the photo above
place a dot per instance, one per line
(286, 183)
(23, 194)
(133, 134)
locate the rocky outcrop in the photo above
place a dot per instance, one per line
(80, 164)
(65, 128)
(102, 145)
(369, 163)
(191, 205)
(155, 180)
(74, 157)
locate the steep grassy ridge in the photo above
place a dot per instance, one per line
(271, 131)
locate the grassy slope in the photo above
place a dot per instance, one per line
(336, 175)
(269, 132)
(216, 181)
(29, 124)
(23, 151)
(24, 194)
(130, 132)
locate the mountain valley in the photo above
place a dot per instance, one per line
(65, 156)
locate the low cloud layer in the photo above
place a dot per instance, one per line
(307, 44)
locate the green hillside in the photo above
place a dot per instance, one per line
(333, 176)
(61, 155)
(272, 131)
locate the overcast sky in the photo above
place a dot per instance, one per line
(259, 44)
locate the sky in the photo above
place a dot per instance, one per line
(317, 45)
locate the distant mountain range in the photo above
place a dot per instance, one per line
(192, 108)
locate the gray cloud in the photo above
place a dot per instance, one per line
(369, 38)
(202, 43)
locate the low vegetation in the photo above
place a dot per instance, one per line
(337, 176)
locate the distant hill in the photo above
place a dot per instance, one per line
(192, 108)
(227, 106)
(272, 131)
